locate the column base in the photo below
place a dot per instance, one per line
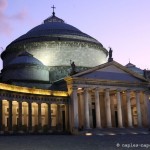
(109, 127)
(75, 131)
(87, 128)
(30, 131)
(40, 131)
(20, 131)
(98, 127)
(1, 132)
(59, 130)
(130, 127)
(11, 132)
(50, 131)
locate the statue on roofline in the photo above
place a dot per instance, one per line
(73, 68)
(110, 55)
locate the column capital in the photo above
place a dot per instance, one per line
(146, 92)
(74, 88)
(97, 89)
(107, 89)
(118, 90)
(128, 90)
(20, 101)
(137, 91)
(86, 88)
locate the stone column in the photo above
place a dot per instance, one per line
(39, 116)
(129, 113)
(90, 109)
(147, 107)
(1, 115)
(119, 109)
(81, 110)
(138, 109)
(86, 108)
(75, 107)
(67, 116)
(107, 108)
(97, 109)
(30, 116)
(10, 117)
(49, 116)
(20, 115)
(59, 125)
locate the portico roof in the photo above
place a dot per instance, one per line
(105, 74)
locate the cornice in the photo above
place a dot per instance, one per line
(87, 81)
(21, 45)
(19, 89)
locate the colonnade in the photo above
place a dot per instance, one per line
(29, 123)
(107, 100)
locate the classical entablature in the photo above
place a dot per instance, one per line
(26, 90)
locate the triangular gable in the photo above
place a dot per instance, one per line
(111, 71)
(111, 68)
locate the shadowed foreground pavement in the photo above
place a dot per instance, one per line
(69, 142)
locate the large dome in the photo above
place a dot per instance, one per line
(55, 43)
(54, 27)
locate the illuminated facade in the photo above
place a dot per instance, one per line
(32, 110)
(38, 95)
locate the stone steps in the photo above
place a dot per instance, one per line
(115, 131)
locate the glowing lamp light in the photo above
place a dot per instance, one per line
(134, 132)
(79, 88)
(112, 134)
(88, 134)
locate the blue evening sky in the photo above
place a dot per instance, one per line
(123, 25)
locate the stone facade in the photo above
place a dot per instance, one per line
(96, 95)
(27, 110)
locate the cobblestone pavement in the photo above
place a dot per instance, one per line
(70, 142)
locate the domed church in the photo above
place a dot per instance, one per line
(54, 43)
(56, 78)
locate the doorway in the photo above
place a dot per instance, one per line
(116, 118)
(94, 118)
(63, 120)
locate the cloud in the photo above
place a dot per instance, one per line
(5, 28)
(3, 4)
(20, 16)
(6, 21)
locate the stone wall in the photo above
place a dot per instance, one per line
(55, 53)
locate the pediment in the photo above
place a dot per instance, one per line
(111, 71)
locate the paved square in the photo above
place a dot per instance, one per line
(69, 142)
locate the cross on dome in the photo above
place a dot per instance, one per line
(53, 10)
